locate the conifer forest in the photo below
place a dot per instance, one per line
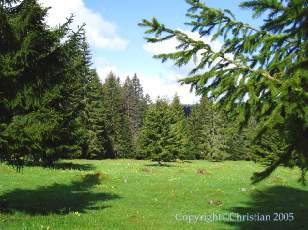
(82, 149)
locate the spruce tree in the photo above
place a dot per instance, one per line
(158, 139)
(269, 147)
(37, 77)
(260, 71)
(195, 122)
(135, 105)
(208, 131)
(243, 144)
(141, 104)
(91, 126)
(118, 139)
(180, 130)
(241, 140)
(88, 95)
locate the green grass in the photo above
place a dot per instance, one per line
(129, 194)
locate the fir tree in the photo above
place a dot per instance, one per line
(89, 97)
(38, 76)
(135, 105)
(195, 122)
(141, 104)
(208, 131)
(179, 129)
(118, 138)
(241, 140)
(257, 71)
(90, 134)
(269, 147)
(158, 140)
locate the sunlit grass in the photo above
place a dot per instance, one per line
(129, 194)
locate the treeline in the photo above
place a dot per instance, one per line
(170, 133)
(119, 121)
(111, 119)
(53, 105)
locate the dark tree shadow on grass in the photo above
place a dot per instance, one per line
(58, 198)
(61, 165)
(187, 161)
(72, 166)
(277, 199)
(160, 165)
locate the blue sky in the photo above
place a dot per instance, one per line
(127, 14)
(117, 42)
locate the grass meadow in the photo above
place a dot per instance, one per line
(131, 194)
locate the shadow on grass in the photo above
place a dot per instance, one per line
(159, 165)
(277, 199)
(61, 165)
(72, 166)
(187, 161)
(57, 198)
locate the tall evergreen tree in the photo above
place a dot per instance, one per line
(260, 71)
(158, 139)
(195, 133)
(118, 136)
(91, 126)
(241, 140)
(208, 131)
(90, 132)
(180, 130)
(135, 104)
(37, 78)
(141, 103)
(270, 147)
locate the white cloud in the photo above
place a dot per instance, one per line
(167, 46)
(167, 86)
(104, 71)
(100, 33)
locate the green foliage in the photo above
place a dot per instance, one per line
(118, 142)
(159, 137)
(208, 131)
(240, 143)
(179, 129)
(91, 124)
(257, 71)
(50, 97)
(266, 149)
(135, 105)
(270, 146)
(88, 98)
(36, 74)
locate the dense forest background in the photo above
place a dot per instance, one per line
(53, 105)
